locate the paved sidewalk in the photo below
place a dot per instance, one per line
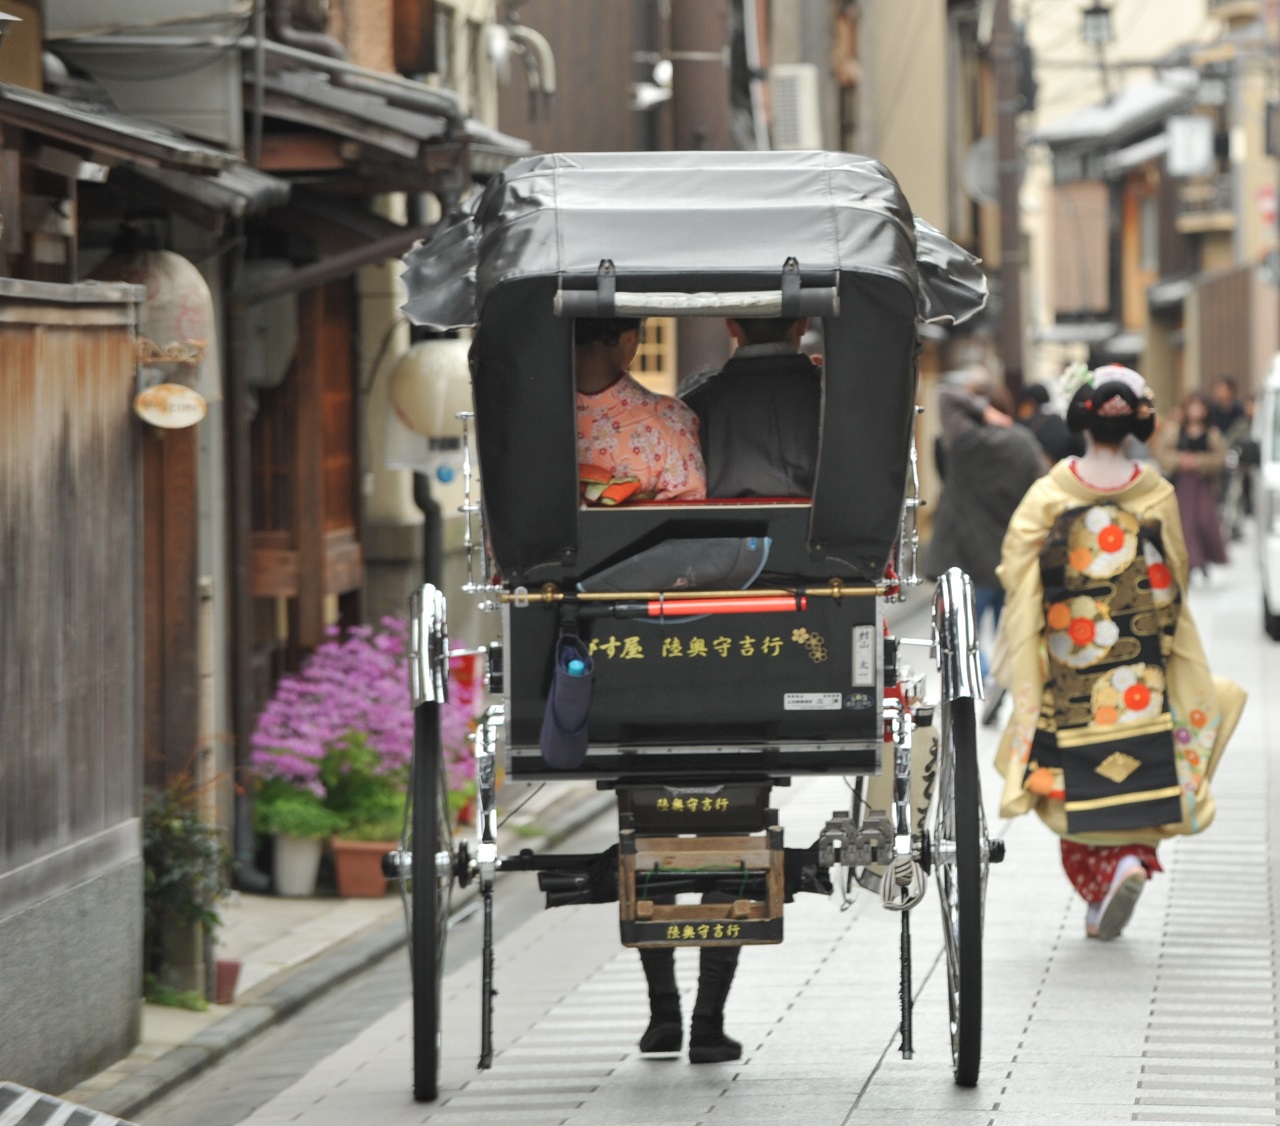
(293, 951)
(1176, 1022)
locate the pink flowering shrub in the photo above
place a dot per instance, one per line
(332, 748)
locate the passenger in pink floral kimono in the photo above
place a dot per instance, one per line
(1117, 723)
(633, 444)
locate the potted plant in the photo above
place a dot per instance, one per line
(185, 864)
(332, 748)
(299, 823)
(368, 795)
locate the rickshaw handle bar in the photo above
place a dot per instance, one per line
(816, 301)
(550, 594)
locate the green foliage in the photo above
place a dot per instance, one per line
(157, 993)
(291, 812)
(185, 863)
(368, 797)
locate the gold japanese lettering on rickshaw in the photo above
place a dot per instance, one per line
(691, 805)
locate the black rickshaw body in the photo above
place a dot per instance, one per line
(707, 682)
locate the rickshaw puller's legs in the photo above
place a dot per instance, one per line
(707, 1040)
(665, 1032)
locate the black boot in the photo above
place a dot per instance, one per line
(665, 1032)
(707, 1041)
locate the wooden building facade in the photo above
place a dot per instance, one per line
(70, 681)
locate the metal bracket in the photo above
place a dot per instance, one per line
(855, 846)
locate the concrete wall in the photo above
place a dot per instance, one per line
(71, 963)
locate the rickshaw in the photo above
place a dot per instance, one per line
(709, 681)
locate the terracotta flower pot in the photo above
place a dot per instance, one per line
(226, 975)
(358, 867)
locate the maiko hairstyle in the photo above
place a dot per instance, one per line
(602, 330)
(1111, 411)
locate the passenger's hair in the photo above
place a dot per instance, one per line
(602, 330)
(765, 330)
(1111, 412)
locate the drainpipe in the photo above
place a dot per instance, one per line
(247, 875)
(281, 17)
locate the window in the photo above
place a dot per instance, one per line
(655, 364)
(444, 45)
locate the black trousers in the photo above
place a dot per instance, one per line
(716, 967)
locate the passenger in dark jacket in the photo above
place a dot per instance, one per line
(759, 415)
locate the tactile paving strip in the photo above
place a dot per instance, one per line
(1212, 1042)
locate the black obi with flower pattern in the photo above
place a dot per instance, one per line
(1104, 740)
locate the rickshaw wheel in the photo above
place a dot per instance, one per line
(960, 866)
(432, 845)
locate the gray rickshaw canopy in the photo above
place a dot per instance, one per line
(656, 214)
(558, 237)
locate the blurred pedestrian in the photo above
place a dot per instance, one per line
(1225, 407)
(1036, 413)
(1117, 723)
(1192, 455)
(990, 464)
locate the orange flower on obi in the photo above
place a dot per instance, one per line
(1137, 697)
(1111, 538)
(1103, 541)
(1059, 616)
(1081, 630)
(1198, 718)
(1127, 694)
(1041, 781)
(1160, 575)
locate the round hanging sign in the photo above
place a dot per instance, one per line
(170, 406)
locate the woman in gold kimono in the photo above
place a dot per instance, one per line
(1117, 722)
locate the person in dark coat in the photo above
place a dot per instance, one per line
(1050, 429)
(759, 415)
(990, 465)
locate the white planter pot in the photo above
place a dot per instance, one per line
(296, 863)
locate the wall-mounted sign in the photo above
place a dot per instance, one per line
(170, 406)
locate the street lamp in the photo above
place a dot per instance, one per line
(1096, 26)
(1096, 29)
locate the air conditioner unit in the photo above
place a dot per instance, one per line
(797, 116)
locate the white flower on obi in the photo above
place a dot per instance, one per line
(1163, 588)
(1103, 543)
(1081, 632)
(1129, 694)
